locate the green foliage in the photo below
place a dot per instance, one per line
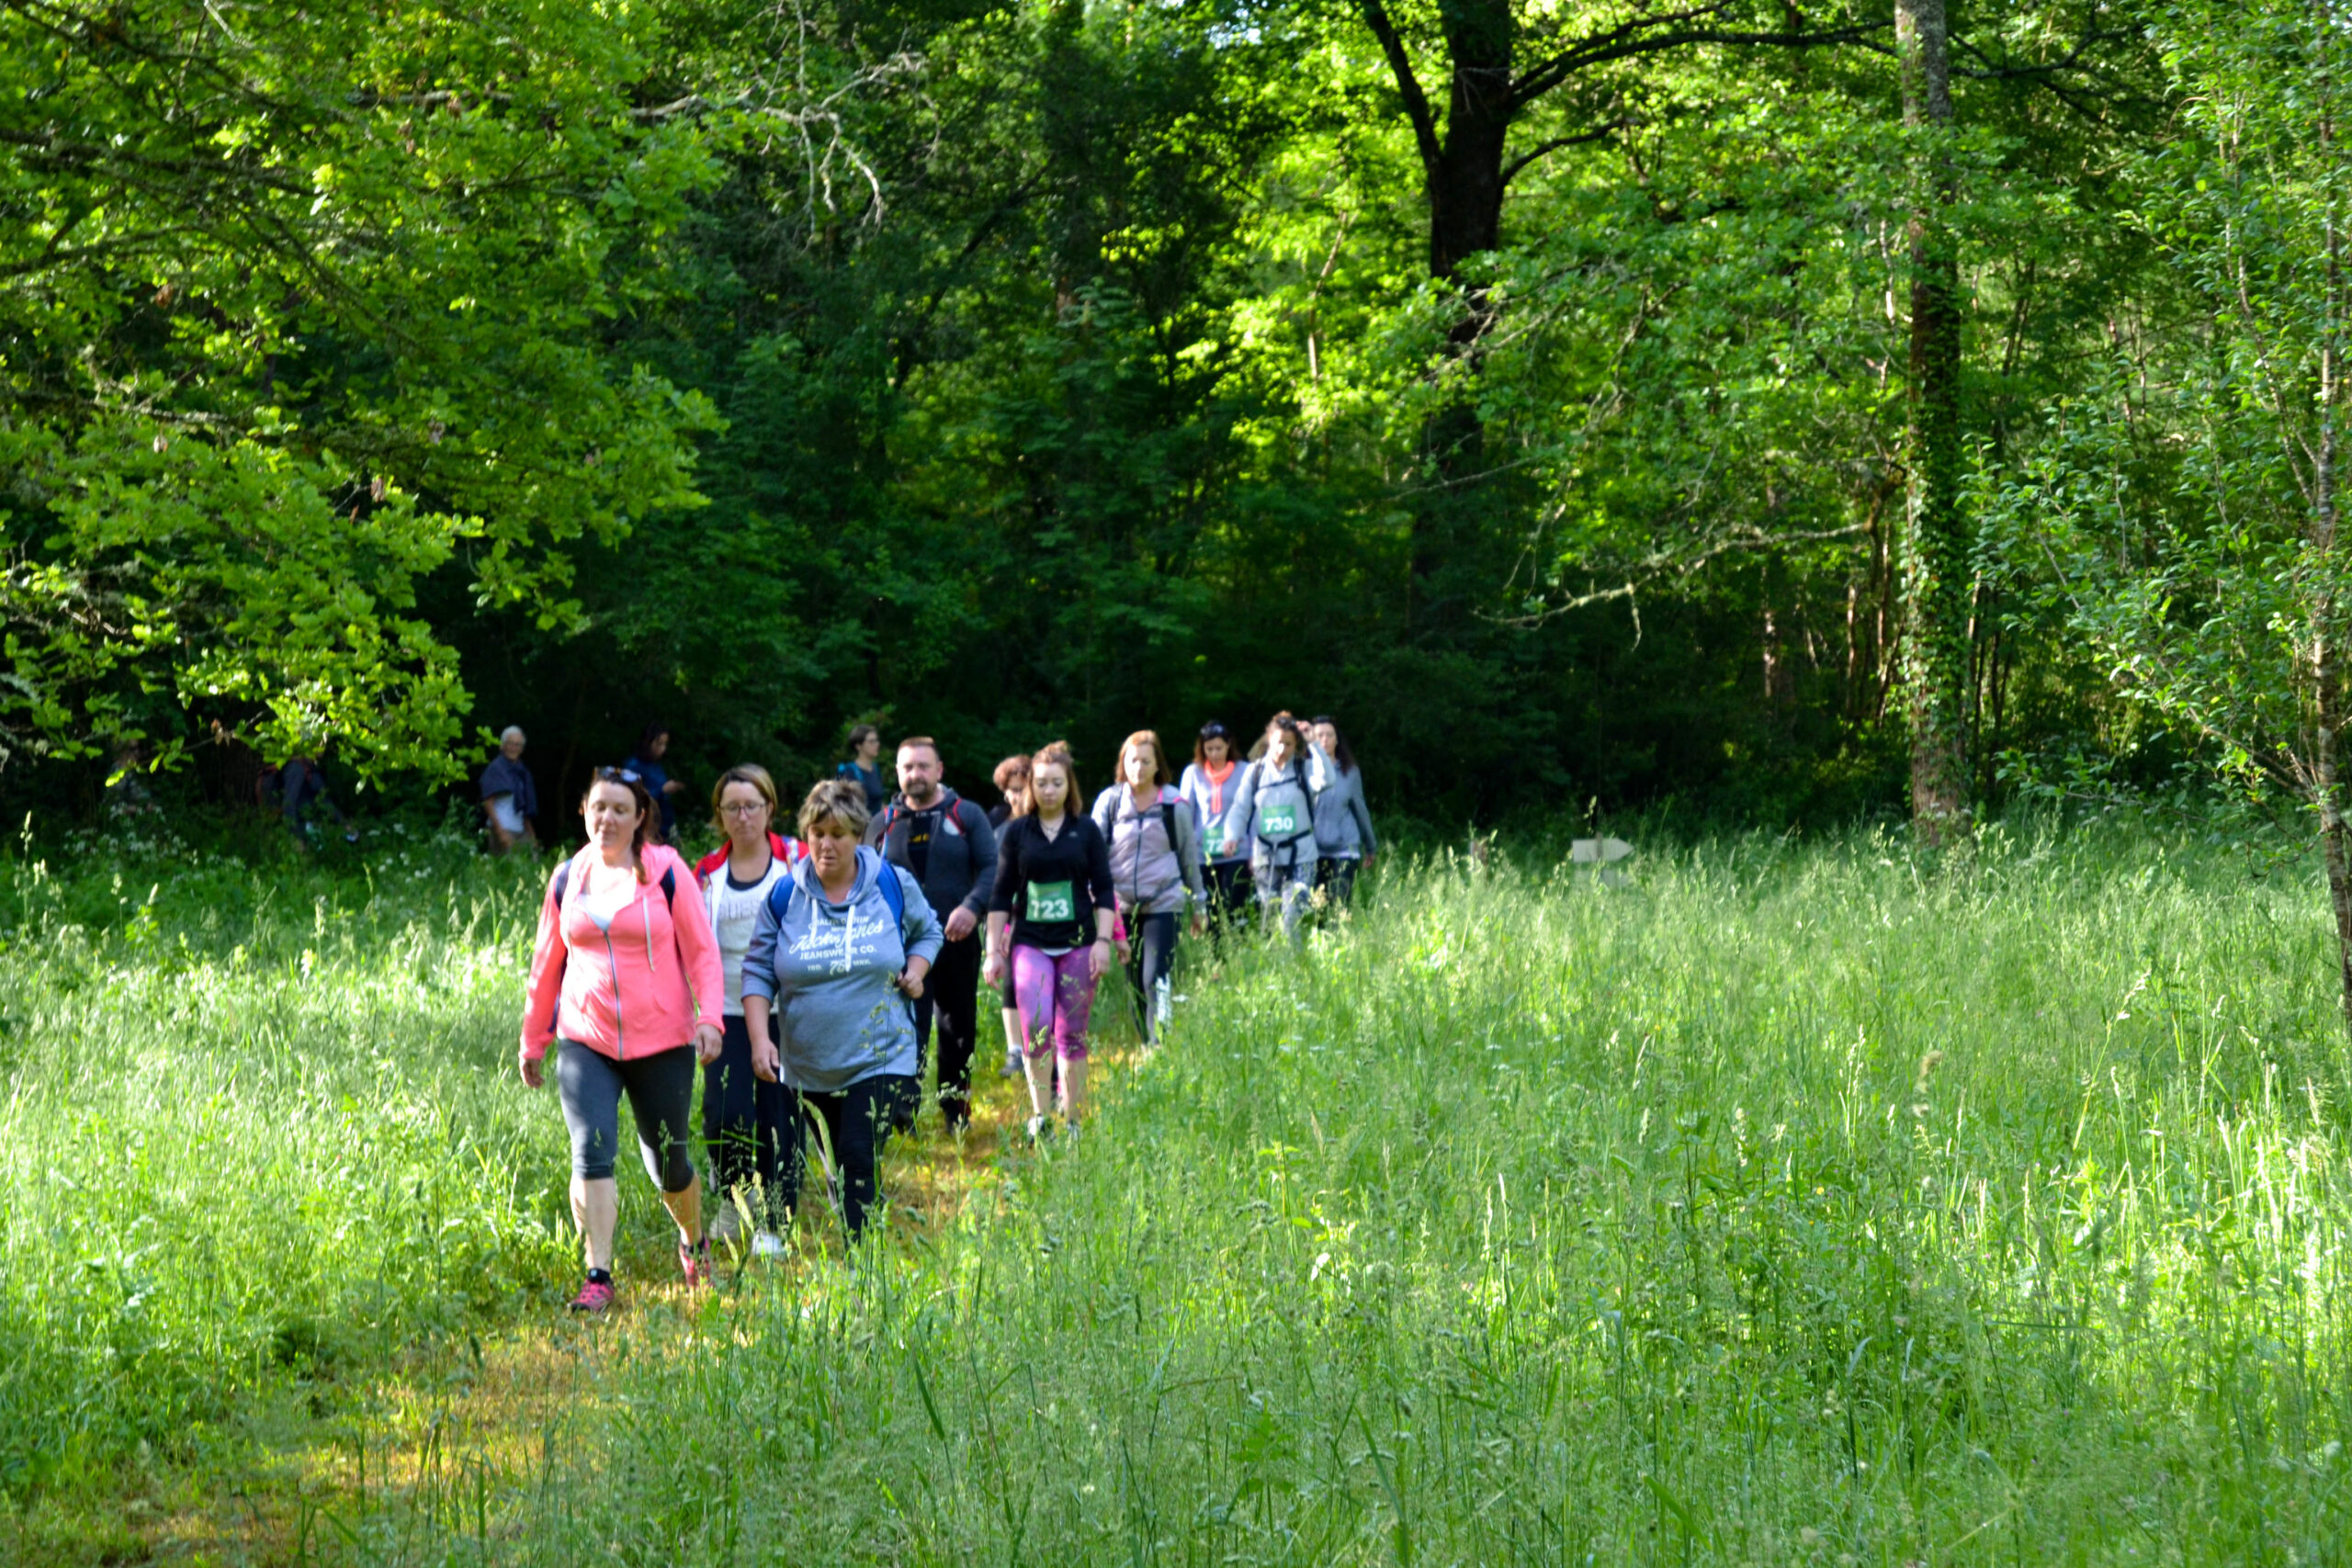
(2175, 512)
(303, 305)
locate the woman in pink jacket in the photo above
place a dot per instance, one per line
(625, 984)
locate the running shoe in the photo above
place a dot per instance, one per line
(766, 1244)
(695, 1262)
(1039, 1126)
(594, 1296)
(727, 1225)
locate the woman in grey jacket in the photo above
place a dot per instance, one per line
(1344, 843)
(840, 950)
(1276, 806)
(1155, 842)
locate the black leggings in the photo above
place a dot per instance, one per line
(1228, 895)
(745, 1121)
(1338, 875)
(1151, 957)
(857, 1122)
(661, 1088)
(951, 995)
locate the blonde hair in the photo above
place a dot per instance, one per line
(840, 801)
(741, 773)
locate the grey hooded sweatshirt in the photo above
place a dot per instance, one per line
(1153, 876)
(831, 970)
(1279, 811)
(1342, 821)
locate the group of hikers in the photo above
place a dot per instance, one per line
(804, 972)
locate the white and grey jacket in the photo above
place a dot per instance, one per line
(1153, 874)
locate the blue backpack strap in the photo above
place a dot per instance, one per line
(894, 892)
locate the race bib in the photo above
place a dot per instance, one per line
(1052, 901)
(1276, 823)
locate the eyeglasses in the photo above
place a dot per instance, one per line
(739, 809)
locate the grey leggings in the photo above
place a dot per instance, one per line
(660, 1097)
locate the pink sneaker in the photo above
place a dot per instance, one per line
(594, 1296)
(695, 1262)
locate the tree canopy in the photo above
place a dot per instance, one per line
(1538, 388)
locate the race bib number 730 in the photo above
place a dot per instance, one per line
(1278, 822)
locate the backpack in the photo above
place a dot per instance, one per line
(894, 894)
(1167, 822)
(952, 826)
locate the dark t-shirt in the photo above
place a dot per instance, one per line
(1051, 888)
(920, 826)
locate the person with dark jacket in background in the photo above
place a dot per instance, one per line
(510, 795)
(864, 768)
(949, 845)
(645, 765)
(299, 787)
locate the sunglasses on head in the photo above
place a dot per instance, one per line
(1211, 731)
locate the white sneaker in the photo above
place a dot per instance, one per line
(766, 1244)
(1039, 1126)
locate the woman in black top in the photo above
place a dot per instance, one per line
(1049, 923)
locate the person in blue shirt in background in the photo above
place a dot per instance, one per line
(645, 766)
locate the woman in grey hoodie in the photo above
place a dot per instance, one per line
(840, 951)
(1343, 838)
(1275, 805)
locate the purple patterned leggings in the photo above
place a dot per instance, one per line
(1055, 996)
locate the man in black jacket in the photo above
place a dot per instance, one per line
(947, 843)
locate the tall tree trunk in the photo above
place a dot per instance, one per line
(2324, 670)
(1462, 169)
(1936, 554)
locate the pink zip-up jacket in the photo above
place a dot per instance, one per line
(638, 986)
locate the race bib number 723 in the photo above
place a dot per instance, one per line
(1051, 901)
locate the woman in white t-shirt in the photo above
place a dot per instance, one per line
(750, 1125)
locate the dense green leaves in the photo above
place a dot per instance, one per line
(298, 306)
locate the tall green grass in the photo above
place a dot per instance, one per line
(1797, 1204)
(253, 1131)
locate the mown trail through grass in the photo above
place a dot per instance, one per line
(1798, 1203)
